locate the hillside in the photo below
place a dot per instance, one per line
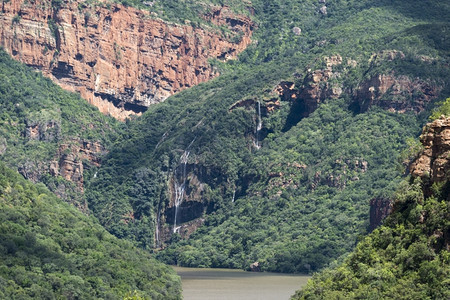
(411, 250)
(279, 160)
(49, 250)
(50, 135)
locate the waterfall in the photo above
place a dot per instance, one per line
(234, 195)
(258, 127)
(162, 139)
(158, 221)
(157, 232)
(179, 186)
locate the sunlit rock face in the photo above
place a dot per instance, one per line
(433, 163)
(118, 58)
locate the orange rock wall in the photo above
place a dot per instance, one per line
(433, 163)
(396, 93)
(118, 58)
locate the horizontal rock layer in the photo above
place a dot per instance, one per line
(119, 58)
(433, 163)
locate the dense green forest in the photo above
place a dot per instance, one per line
(407, 253)
(300, 200)
(37, 117)
(275, 161)
(50, 250)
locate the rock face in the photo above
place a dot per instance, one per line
(118, 58)
(71, 157)
(433, 163)
(317, 87)
(69, 162)
(395, 93)
(380, 208)
(43, 131)
(398, 94)
(189, 188)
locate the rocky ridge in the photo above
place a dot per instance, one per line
(396, 93)
(433, 162)
(119, 58)
(392, 92)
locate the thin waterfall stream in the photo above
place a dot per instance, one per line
(258, 127)
(179, 186)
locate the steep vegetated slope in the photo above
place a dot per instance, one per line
(411, 250)
(50, 135)
(277, 160)
(50, 250)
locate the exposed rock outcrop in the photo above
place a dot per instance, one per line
(395, 93)
(398, 94)
(286, 90)
(344, 171)
(255, 267)
(385, 55)
(433, 162)
(185, 230)
(380, 208)
(189, 190)
(432, 165)
(316, 86)
(118, 58)
(69, 164)
(43, 131)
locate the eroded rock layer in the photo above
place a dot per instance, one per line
(118, 58)
(433, 163)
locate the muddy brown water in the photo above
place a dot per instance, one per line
(221, 284)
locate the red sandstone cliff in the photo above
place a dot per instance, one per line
(119, 58)
(433, 163)
(392, 92)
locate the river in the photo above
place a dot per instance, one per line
(224, 284)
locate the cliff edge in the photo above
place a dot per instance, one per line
(118, 58)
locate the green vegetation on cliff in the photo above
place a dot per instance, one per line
(49, 250)
(302, 199)
(37, 117)
(308, 197)
(442, 109)
(275, 161)
(406, 258)
(411, 250)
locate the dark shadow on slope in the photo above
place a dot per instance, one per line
(436, 35)
(296, 114)
(425, 10)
